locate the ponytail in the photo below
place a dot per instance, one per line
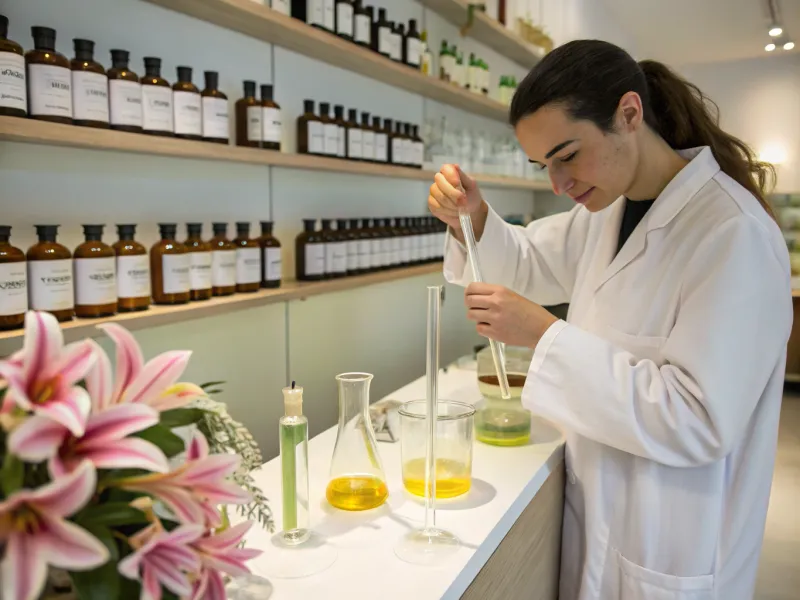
(686, 118)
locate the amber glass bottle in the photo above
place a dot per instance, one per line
(50, 282)
(372, 230)
(354, 136)
(341, 126)
(310, 131)
(223, 261)
(133, 271)
(309, 253)
(49, 79)
(271, 122)
(330, 130)
(387, 131)
(13, 283)
(95, 275)
(271, 264)
(248, 260)
(381, 153)
(14, 98)
(187, 106)
(364, 261)
(351, 244)
(124, 94)
(199, 262)
(248, 118)
(215, 111)
(89, 87)
(157, 117)
(169, 266)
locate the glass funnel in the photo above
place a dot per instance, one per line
(357, 481)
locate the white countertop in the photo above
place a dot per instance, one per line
(504, 482)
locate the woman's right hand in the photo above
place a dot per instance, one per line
(452, 189)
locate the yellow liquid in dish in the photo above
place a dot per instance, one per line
(356, 492)
(453, 478)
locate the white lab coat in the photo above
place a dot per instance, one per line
(666, 378)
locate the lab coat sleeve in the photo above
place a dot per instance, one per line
(730, 332)
(538, 261)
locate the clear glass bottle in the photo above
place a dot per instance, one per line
(357, 480)
(309, 253)
(169, 267)
(124, 94)
(49, 79)
(426, 58)
(271, 263)
(89, 87)
(248, 259)
(13, 283)
(199, 262)
(14, 96)
(95, 275)
(216, 126)
(133, 271)
(223, 261)
(50, 281)
(293, 436)
(157, 115)
(248, 118)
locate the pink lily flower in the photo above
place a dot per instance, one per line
(105, 443)
(220, 554)
(165, 558)
(36, 534)
(42, 378)
(193, 490)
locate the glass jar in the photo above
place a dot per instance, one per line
(503, 422)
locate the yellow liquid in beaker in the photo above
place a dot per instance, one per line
(356, 492)
(453, 478)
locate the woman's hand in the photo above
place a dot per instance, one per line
(505, 316)
(453, 189)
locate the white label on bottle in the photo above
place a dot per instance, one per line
(344, 19)
(385, 41)
(315, 259)
(415, 248)
(380, 147)
(397, 46)
(329, 256)
(254, 128)
(368, 145)
(386, 251)
(328, 15)
(316, 137)
(282, 6)
(420, 153)
(352, 255)
(405, 248)
(200, 270)
(89, 96)
(50, 284)
(362, 29)
(13, 288)
(433, 239)
(271, 125)
(397, 250)
(157, 108)
(272, 264)
(364, 259)
(125, 100)
(215, 118)
(355, 142)
(413, 51)
(248, 265)
(397, 151)
(341, 146)
(223, 268)
(175, 269)
(188, 113)
(133, 276)
(12, 84)
(331, 139)
(339, 257)
(95, 281)
(375, 253)
(51, 92)
(315, 12)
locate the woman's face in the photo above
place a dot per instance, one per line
(591, 167)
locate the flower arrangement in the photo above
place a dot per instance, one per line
(85, 478)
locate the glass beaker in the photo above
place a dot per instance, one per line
(503, 422)
(454, 426)
(357, 481)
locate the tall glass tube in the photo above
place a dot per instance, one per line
(294, 467)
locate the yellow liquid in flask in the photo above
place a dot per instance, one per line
(356, 492)
(453, 478)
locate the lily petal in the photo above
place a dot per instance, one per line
(99, 381)
(180, 557)
(226, 564)
(71, 410)
(151, 587)
(67, 495)
(36, 439)
(70, 547)
(198, 447)
(185, 534)
(216, 587)
(210, 468)
(130, 453)
(225, 492)
(23, 570)
(156, 376)
(225, 539)
(170, 577)
(178, 396)
(181, 503)
(74, 363)
(43, 342)
(17, 392)
(129, 357)
(117, 422)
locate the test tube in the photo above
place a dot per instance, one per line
(432, 376)
(498, 353)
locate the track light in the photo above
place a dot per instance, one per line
(775, 31)
(769, 47)
(788, 45)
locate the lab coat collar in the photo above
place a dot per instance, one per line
(683, 187)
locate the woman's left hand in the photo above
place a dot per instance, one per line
(505, 316)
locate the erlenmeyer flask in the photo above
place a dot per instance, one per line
(357, 481)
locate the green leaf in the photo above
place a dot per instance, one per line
(111, 514)
(12, 474)
(169, 443)
(180, 417)
(102, 583)
(210, 384)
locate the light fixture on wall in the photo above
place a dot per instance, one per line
(775, 31)
(788, 46)
(769, 47)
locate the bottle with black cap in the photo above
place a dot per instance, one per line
(49, 79)
(309, 253)
(387, 130)
(350, 246)
(133, 271)
(223, 261)
(271, 264)
(384, 229)
(341, 131)
(248, 259)
(89, 87)
(381, 141)
(169, 267)
(364, 258)
(412, 46)
(362, 25)
(353, 240)
(410, 147)
(271, 122)
(398, 41)
(367, 139)
(382, 35)
(248, 118)
(157, 117)
(406, 241)
(344, 19)
(373, 230)
(354, 136)
(13, 93)
(216, 126)
(397, 246)
(416, 241)
(13, 283)
(95, 275)
(335, 251)
(419, 145)
(199, 262)
(310, 131)
(317, 13)
(50, 282)
(331, 130)
(188, 106)
(124, 94)
(398, 145)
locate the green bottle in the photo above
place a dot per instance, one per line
(443, 61)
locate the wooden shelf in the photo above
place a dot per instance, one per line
(260, 22)
(41, 132)
(487, 31)
(290, 290)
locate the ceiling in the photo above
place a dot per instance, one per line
(692, 31)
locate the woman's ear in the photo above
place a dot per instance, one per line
(630, 114)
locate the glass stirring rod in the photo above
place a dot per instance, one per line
(498, 353)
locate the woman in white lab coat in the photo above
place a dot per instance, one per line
(667, 375)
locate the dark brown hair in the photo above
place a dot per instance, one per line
(589, 77)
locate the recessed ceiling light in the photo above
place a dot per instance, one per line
(788, 45)
(769, 47)
(775, 31)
